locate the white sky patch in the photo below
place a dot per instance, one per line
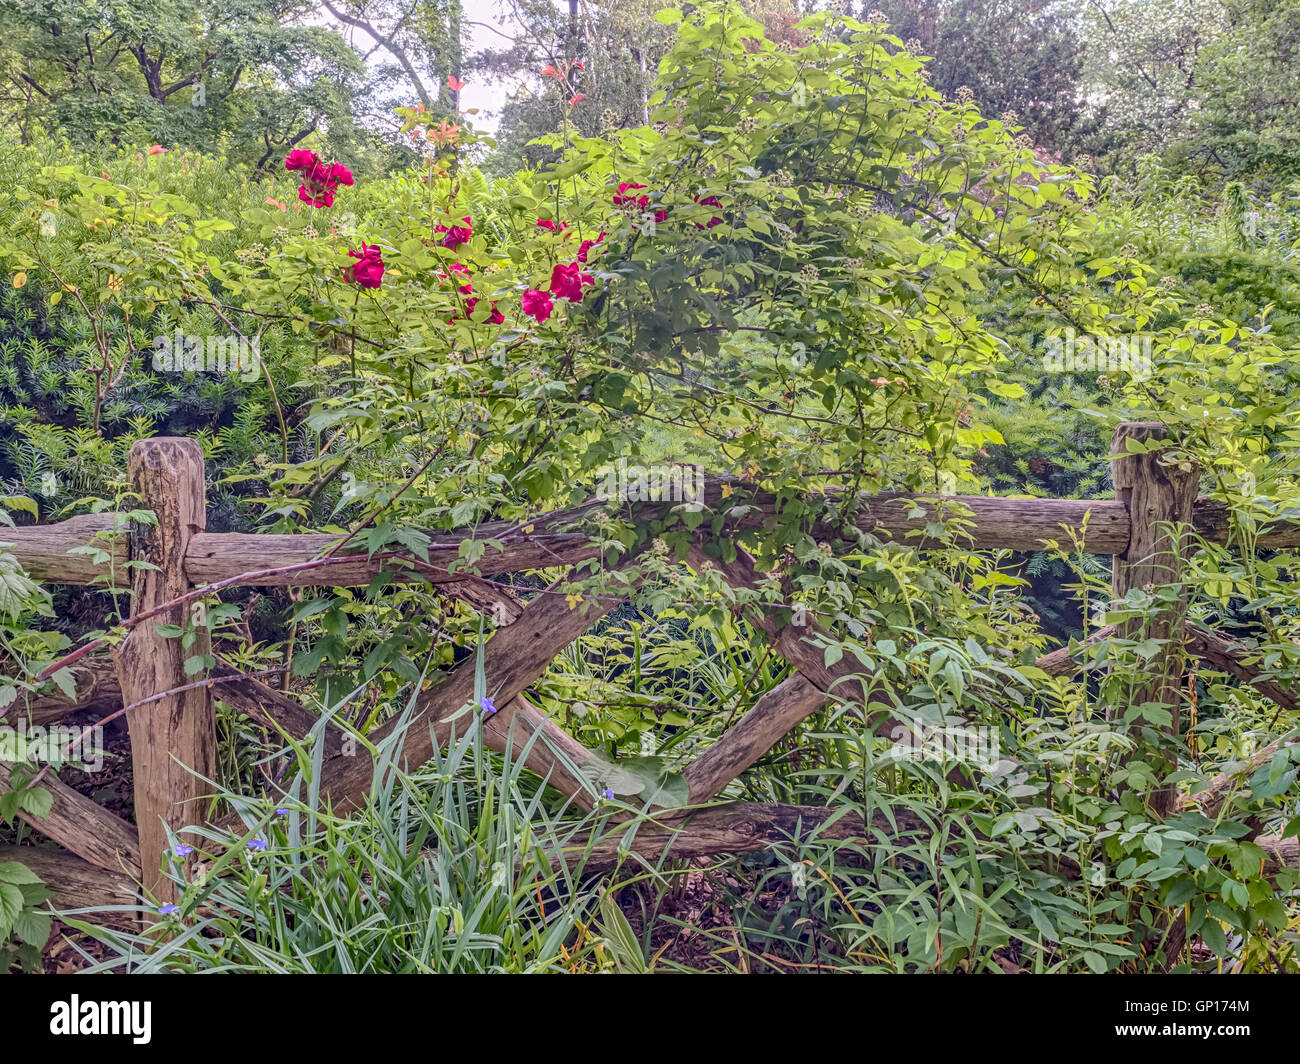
(493, 28)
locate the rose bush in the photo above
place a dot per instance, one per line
(786, 276)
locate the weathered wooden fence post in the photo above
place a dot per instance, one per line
(1158, 494)
(174, 737)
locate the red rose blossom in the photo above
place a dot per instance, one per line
(587, 245)
(567, 282)
(456, 234)
(317, 197)
(368, 272)
(319, 181)
(301, 159)
(709, 201)
(621, 198)
(468, 286)
(537, 304)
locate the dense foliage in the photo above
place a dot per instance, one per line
(801, 256)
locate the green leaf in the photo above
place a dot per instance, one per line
(15, 872)
(33, 927)
(646, 777)
(196, 664)
(65, 680)
(1181, 892)
(1213, 936)
(1095, 961)
(21, 502)
(37, 801)
(11, 904)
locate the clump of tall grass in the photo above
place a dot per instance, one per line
(450, 868)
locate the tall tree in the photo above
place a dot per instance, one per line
(423, 38)
(250, 74)
(607, 52)
(1248, 119)
(1142, 64)
(1023, 56)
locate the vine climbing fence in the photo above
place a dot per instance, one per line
(1150, 528)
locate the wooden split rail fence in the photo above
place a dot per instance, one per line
(106, 860)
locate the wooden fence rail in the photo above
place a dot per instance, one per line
(173, 737)
(241, 558)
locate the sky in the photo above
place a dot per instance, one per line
(490, 23)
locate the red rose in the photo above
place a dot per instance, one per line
(627, 186)
(456, 234)
(537, 304)
(587, 245)
(709, 201)
(369, 269)
(302, 159)
(316, 196)
(467, 287)
(319, 181)
(567, 282)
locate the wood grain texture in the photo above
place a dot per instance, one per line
(1283, 853)
(214, 556)
(998, 522)
(486, 597)
(785, 706)
(78, 884)
(1062, 662)
(96, 688)
(1159, 494)
(43, 550)
(270, 707)
(85, 828)
(173, 740)
(1230, 657)
(518, 723)
(1212, 518)
(1022, 524)
(797, 645)
(738, 827)
(770, 719)
(1014, 524)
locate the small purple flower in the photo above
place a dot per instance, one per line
(167, 910)
(488, 706)
(256, 844)
(181, 850)
(282, 811)
(607, 794)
